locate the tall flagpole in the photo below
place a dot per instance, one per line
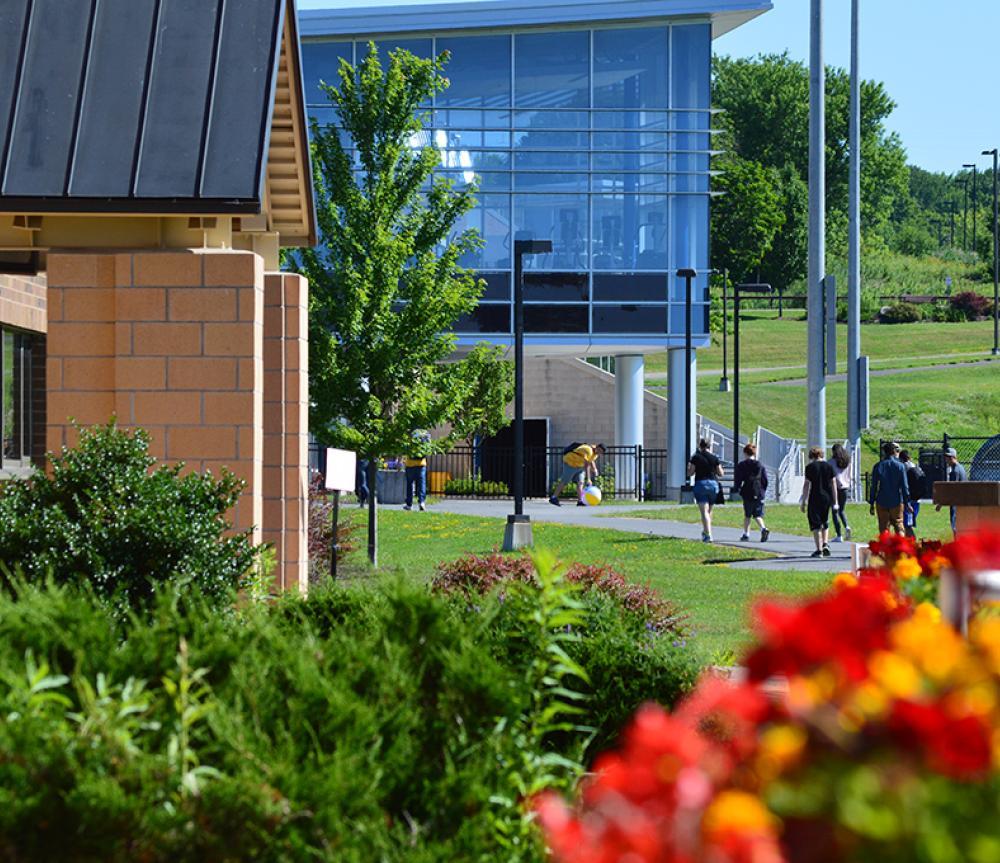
(854, 242)
(816, 420)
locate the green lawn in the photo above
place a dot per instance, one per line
(716, 596)
(787, 518)
(767, 342)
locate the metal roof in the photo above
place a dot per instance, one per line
(138, 106)
(377, 17)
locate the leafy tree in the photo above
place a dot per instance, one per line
(386, 284)
(746, 219)
(787, 258)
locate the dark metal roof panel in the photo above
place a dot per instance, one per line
(136, 105)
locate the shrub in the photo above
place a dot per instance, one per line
(972, 305)
(106, 517)
(321, 530)
(476, 485)
(901, 313)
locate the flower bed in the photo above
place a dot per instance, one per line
(886, 746)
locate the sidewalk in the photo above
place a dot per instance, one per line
(790, 552)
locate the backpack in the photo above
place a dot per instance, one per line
(918, 486)
(752, 488)
(568, 449)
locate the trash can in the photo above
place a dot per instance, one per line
(390, 486)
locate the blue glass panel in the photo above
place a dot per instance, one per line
(699, 288)
(556, 319)
(479, 71)
(630, 319)
(648, 120)
(637, 182)
(418, 47)
(632, 140)
(469, 119)
(631, 287)
(565, 120)
(486, 318)
(639, 161)
(491, 218)
(551, 181)
(554, 161)
(546, 139)
(630, 68)
(552, 70)
(699, 320)
(488, 181)
(690, 231)
(498, 286)
(691, 46)
(692, 121)
(494, 140)
(560, 218)
(320, 62)
(630, 232)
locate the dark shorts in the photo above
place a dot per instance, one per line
(706, 491)
(753, 507)
(818, 513)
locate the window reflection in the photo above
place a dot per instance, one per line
(479, 71)
(486, 318)
(630, 68)
(560, 218)
(555, 319)
(321, 62)
(637, 287)
(552, 70)
(630, 319)
(491, 218)
(560, 287)
(691, 53)
(630, 231)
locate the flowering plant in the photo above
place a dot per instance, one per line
(882, 743)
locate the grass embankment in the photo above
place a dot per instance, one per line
(716, 596)
(787, 518)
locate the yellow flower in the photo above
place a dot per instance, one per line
(928, 611)
(845, 580)
(934, 647)
(895, 674)
(906, 568)
(737, 812)
(781, 746)
(871, 700)
(985, 634)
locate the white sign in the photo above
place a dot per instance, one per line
(341, 469)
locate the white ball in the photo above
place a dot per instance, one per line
(592, 495)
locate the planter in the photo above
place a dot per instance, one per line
(390, 486)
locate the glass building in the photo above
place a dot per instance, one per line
(584, 122)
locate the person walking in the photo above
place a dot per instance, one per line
(840, 461)
(416, 470)
(579, 466)
(917, 482)
(819, 496)
(706, 470)
(750, 483)
(361, 482)
(889, 495)
(953, 472)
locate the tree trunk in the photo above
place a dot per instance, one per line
(372, 511)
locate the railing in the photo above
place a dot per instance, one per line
(791, 472)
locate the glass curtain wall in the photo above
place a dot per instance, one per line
(15, 399)
(598, 139)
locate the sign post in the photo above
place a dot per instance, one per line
(341, 473)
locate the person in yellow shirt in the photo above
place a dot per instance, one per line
(416, 470)
(579, 466)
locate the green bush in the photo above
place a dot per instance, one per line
(476, 485)
(105, 516)
(901, 313)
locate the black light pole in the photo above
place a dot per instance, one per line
(518, 531)
(754, 288)
(965, 212)
(975, 200)
(724, 382)
(689, 276)
(996, 257)
(951, 212)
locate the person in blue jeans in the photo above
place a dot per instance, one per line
(706, 470)
(953, 472)
(416, 470)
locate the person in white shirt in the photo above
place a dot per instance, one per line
(841, 464)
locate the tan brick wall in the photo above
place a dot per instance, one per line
(286, 439)
(22, 302)
(169, 341)
(579, 401)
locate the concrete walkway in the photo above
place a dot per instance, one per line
(790, 552)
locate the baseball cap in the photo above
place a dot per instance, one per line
(951, 452)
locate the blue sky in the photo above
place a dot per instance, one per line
(939, 62)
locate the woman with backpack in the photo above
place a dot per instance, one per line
(841, 464)
(750, 482)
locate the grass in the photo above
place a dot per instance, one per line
(769, 342)
(717, 597)
(788, 518)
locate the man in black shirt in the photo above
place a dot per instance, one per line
(819, 495)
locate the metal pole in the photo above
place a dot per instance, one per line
(334, 547)
(736, 376)
(518, 381)
(965, 214)
(688, 276)
(996, 262)
(952, 217)
(975, 203)
(816, 407)
(724, 383)
(854, 239)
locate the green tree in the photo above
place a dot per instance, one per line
(786, 260)
(386, 282)
(747, 218)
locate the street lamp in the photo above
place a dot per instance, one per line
(724, 381)
(996, 257)
(965, 211)
(975, 200)
(689, 276)
(518, 531)
(752, 288)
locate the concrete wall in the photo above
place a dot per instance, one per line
(579, 401)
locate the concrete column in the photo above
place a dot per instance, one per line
(676, 457)
(629, 402)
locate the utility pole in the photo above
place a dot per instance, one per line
(996, 256)
(965, 212)
(816, 407)
(854, 241)
(975, 199)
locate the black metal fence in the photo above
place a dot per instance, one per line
(487, 471)
(929, 454)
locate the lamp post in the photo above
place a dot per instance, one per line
(951, 217)
(752, 288)
(689, 276)
(517, 534)
(975, 199)
(724, 381)
(964, 182)
(996, 257)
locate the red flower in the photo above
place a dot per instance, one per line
(726, 714)
(843, 627)
(977, 550)
(957, 747)
(890, 546)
